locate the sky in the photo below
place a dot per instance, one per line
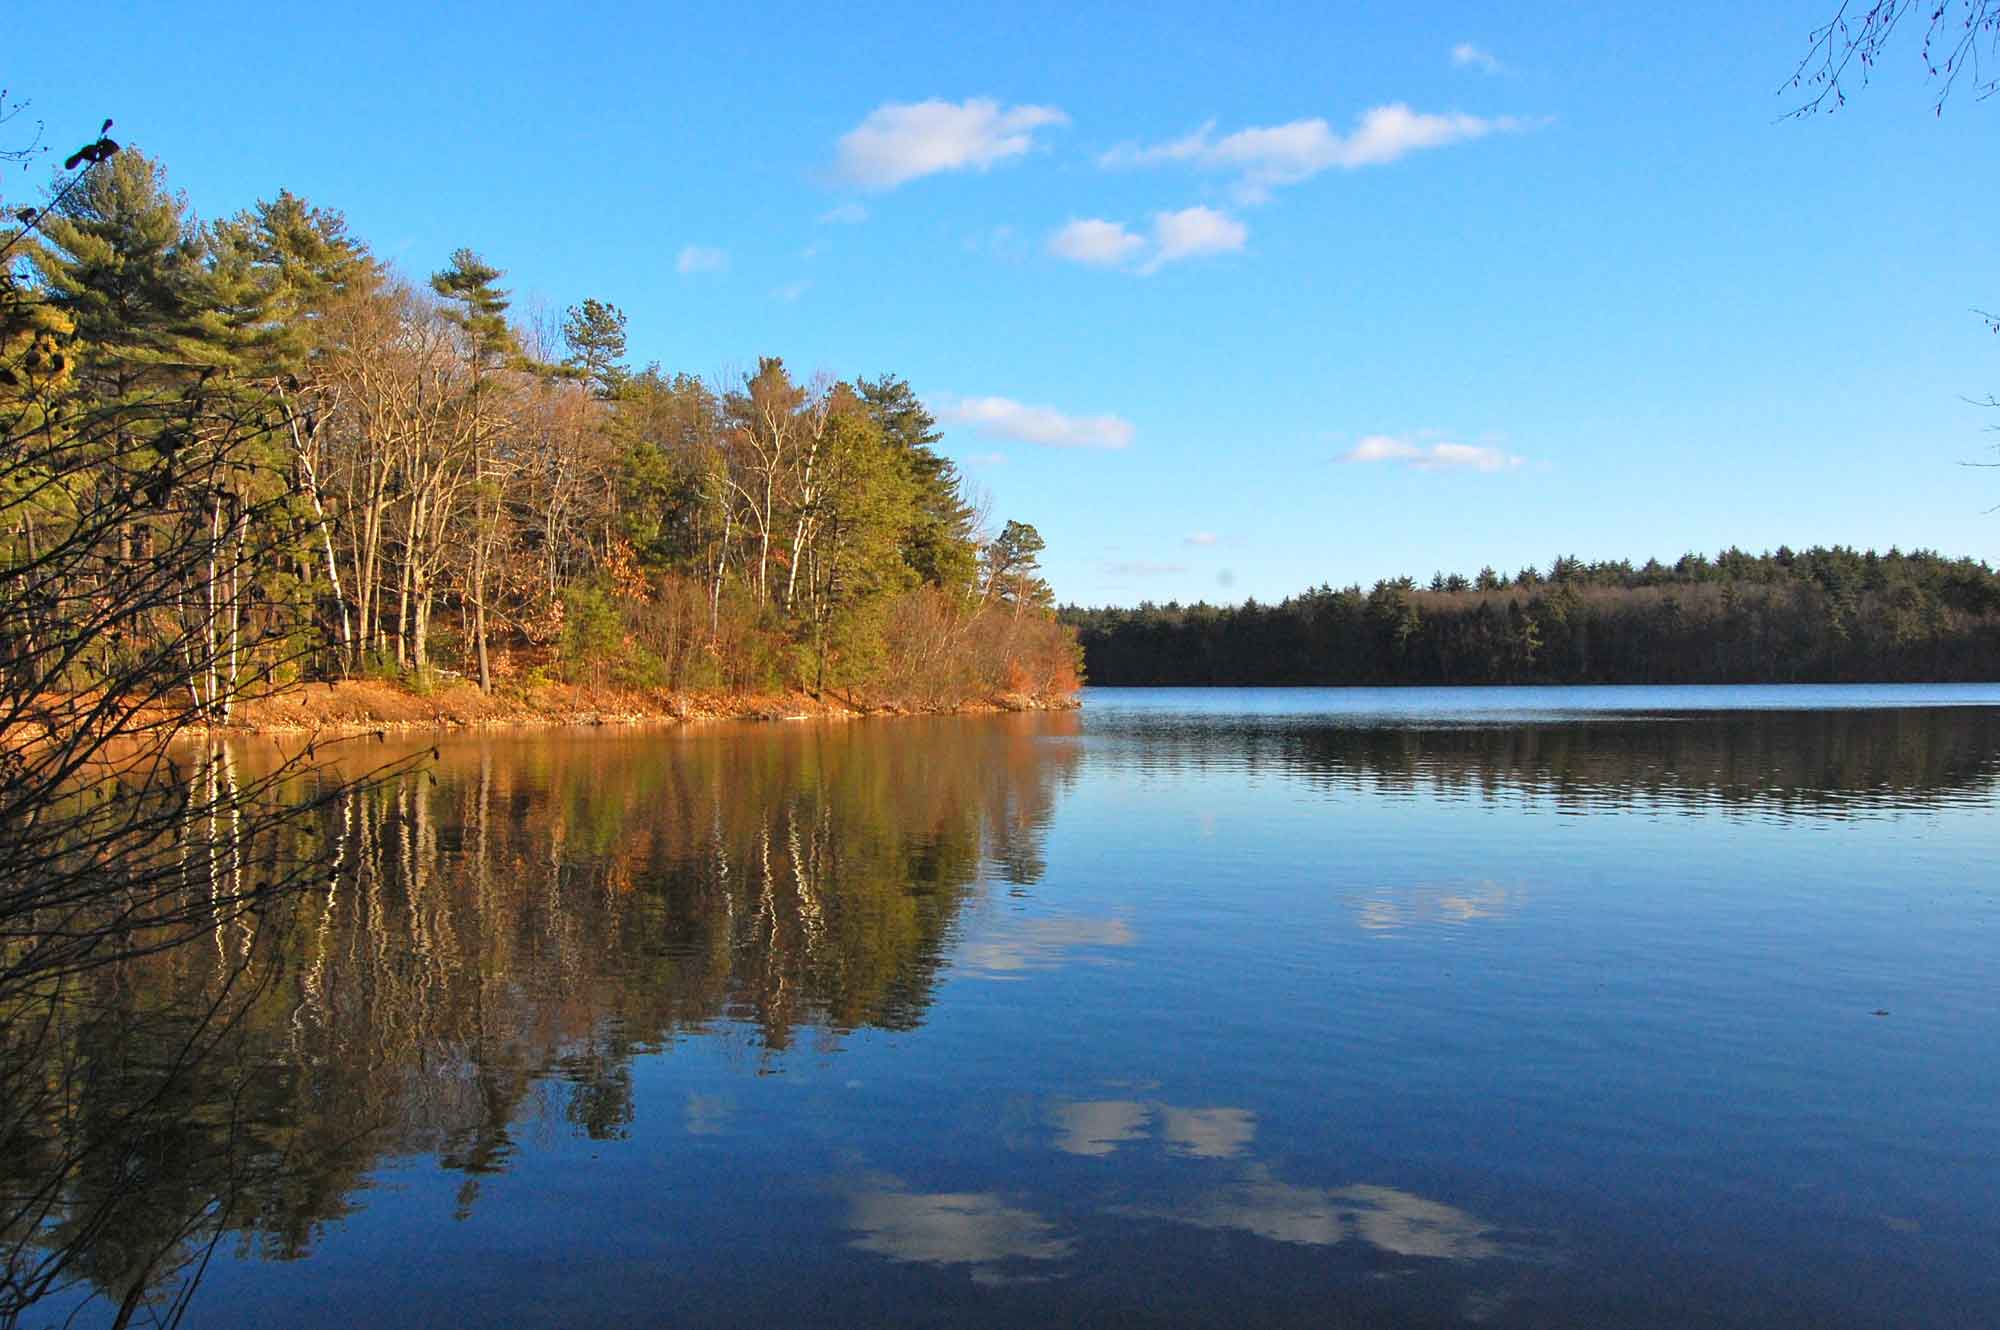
(1227, 301)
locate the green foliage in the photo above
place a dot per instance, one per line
(478, 307)
(868, 506)
(292, 262)
(124, 264)
(595, 334)
(593, 636)
(1012, 567)
(938, 542)
(430, 498)
(1818, 615)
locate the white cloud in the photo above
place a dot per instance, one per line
(1189, 233)
(790, 291)
(900, 141)
(700, 258)
(1264, 157)
(1199, 538)
(1003, 418)
(847, 214)
(1431, 456)
(1092, 240)
(1467, 56)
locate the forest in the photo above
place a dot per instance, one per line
(1823, 615)
(247, 451)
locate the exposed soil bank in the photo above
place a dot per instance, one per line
(366, 704)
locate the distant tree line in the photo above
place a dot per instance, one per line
(422, 484)
(1817, 616)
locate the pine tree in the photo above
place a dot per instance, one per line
(595, 334)
(297, 261)
(125, 264)
(280, 269)
(938, 545)
(1014, 570)
(855, 563)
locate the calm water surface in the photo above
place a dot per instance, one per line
(1611, 1007)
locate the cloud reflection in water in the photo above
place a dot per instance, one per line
(1207, 1133)
(1395, 909)
(1095, 1127)
(1383, 1217)
(1099, 1126)
(977, 1229)
(1016, 946)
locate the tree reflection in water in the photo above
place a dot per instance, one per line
(500, 935)
(503, 934)
(1828, 762)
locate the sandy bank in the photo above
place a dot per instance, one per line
(361, 705)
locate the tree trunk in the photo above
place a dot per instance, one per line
(479, 594)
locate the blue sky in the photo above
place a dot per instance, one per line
(1226, 300)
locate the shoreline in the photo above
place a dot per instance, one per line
(362, 706)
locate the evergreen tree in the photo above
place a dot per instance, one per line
(1014, 570)
(595, 334)
(125, 265)
(478, 307)
(857, 563)
(938, 544)
(296, 261)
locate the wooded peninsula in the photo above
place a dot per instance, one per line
(245, 453)
(1817, 616)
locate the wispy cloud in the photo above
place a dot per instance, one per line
(700, 258)
(1176, 236)
(790, 291)
(1428, 456)
(901, 141)
(1467, 56)
(1094, 240)
(1003, 418)
(1199, 538)
(846, 214)
(1265, 157)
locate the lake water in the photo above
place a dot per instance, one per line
(1508, 1007)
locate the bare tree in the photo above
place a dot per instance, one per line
(133, 617)
(1959, 35)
